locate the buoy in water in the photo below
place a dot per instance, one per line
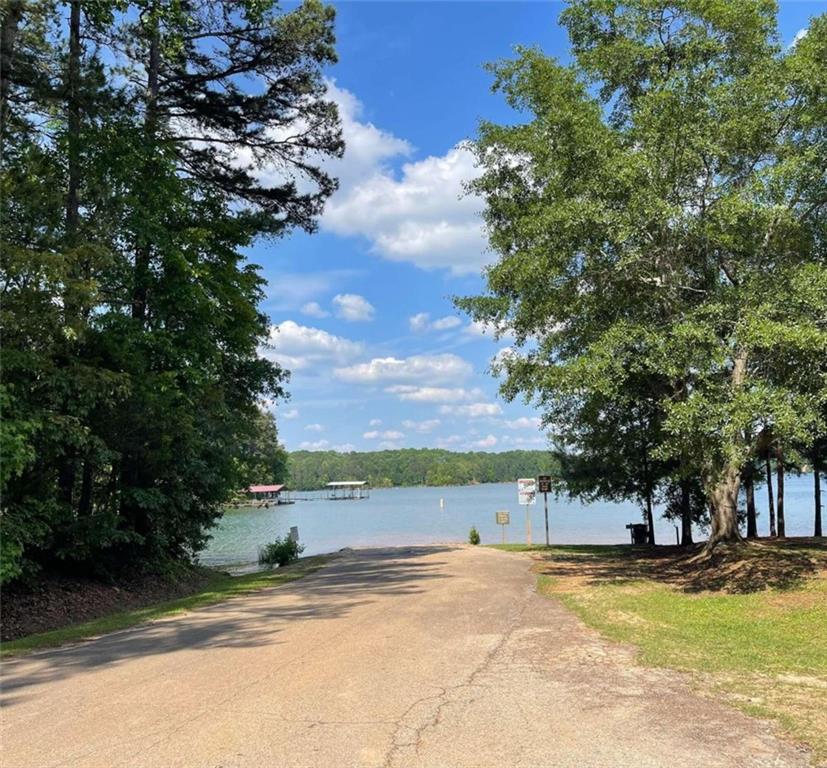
(442, 503)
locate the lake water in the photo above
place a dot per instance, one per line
(402, 516)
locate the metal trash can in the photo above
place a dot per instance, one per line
(639, 533)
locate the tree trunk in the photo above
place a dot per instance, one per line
(66, 473)
(724, 499)
(779, 468)
(770, 500)
(650, 520)
(131, 474)
(817, 493)
(86, 488)
(8, 37)
(686, 514)
(724, 494)
(749, 489)
(143, 249)
(73, 104)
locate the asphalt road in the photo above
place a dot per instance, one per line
(440, 657)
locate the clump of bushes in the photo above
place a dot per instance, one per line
(473, 536)
(281, 552)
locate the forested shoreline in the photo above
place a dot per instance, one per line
(310, 470)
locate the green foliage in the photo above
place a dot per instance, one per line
(310, 470)
(474, 536)
(263, 460)
(130, 317)
(661, 236)
(281, 552)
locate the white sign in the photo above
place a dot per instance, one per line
(527, 490)
(503, 517)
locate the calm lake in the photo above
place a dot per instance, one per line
(401, 516)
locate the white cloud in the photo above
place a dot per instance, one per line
(523, 422)
(415, 394)
(422, 215)
(472, 411)
(293, 413)
(314, 428)
(318, 445)
(390, 434)
(288, 291)
(344, 448)
(419, 322)
(353, 307)
(374, 422)
(428, 368)
(445, 442)
(423, 427)
(485, 442)
(799, 36)
(389, 445)
(367, 148)
(422, 322)
(299, 346)
(444, 323)
(312, 309)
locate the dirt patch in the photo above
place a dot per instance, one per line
(57, 602)
(748, 567)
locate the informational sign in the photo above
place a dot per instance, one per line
(503, 518)
(527, 490)
(544, 487)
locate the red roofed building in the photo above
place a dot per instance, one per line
(265, 492)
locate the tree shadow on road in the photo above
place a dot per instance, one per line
(249, 621)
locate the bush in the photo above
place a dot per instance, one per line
(473, 536)
(281, 552)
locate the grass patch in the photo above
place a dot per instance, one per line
(749, 624)
(221, 587)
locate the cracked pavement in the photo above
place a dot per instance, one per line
(442, 657)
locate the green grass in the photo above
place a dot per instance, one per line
(763, 651)
(221, 587)
(762, 632)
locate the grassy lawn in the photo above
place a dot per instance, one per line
(220, 587)
(750, 624)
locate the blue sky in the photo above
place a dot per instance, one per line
(361, 310)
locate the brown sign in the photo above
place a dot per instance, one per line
(544, 484)
(503, 518)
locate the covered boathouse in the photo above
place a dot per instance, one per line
(348, 490)
(265, 494)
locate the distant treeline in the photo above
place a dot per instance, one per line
(416, 466)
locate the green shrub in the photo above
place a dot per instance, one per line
(281, 552)
(473, 536)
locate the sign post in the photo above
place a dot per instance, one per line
(527, 495)
(544, 486)
(503, 519)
